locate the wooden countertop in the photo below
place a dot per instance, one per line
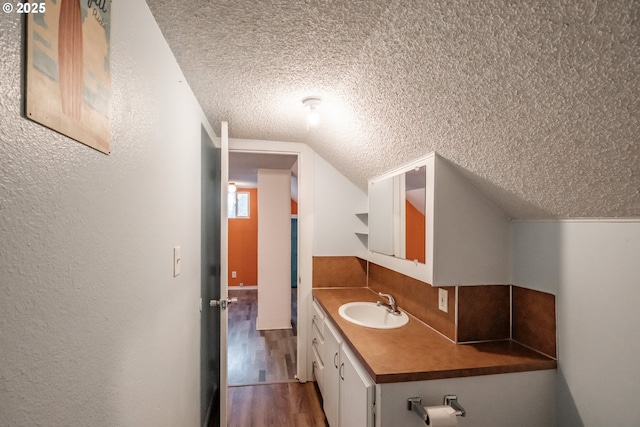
(417, 352)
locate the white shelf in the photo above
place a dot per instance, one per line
(364, 234)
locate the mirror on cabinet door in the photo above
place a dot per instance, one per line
(415, 214)
(397, 207)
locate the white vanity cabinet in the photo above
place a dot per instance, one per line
(352, 399)
(357, 392)
(347, 391)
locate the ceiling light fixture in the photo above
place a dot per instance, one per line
(312, 102)
(232, 187)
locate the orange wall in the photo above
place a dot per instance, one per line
(243, 243)
(415, 234)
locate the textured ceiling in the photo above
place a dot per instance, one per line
(538, 102)
(243, 167)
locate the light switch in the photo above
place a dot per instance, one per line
(177, 260)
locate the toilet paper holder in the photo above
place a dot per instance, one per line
(415, 404)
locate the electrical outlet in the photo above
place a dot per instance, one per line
(234, 274)
(443, 300)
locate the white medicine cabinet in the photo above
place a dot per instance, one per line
(462, 239)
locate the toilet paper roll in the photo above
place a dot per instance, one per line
(441, 416)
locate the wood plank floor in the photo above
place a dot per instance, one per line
(259, 357)
(262, 389)
(282, 405)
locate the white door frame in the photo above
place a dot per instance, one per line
(305, 237)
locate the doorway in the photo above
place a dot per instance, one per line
(258, 356)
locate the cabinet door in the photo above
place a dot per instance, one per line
(331, 393)
(356, 392)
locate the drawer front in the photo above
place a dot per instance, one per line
(318, 369)
(318, 347)
(316, 332)
(317, 318)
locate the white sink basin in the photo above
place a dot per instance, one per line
(372, 316)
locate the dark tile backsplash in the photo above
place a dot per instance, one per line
(484, 313)
(534, 320)
(339, 272)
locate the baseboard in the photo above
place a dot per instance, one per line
(242, 288)
(270, 324)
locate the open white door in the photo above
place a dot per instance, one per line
(224, 301)
(224, 261)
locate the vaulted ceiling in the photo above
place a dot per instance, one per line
(537, 102)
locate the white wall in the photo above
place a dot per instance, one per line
(94, 329)
(336, 202)
(594, 270)
(274, 249)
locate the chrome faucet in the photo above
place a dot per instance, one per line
(391, 305)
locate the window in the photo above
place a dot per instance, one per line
(238, 205)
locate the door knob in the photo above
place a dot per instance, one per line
(223, 304)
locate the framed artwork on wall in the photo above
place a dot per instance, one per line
(69, 69)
